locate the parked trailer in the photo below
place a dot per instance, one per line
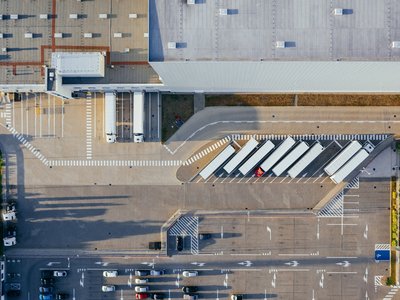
(217, 162)
(256, 157)
(290, 159)
(110, 125)
(241, 155)
(311, 154)
(342, 158)
(350, 166)
(138, 117)
(277, 154)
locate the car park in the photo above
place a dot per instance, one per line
(61, 296)
(141, 289)
(142, 272)
(110, 273)
(158, 296)
(157, 272)
(45, 289)
(47, 281)
(190, 273)
(62, 273)
(236, 297)
(141, 280)
(190, 289)
(141, 296)
(108, 288)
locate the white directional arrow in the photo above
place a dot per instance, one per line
(366, 295)
(53, 263)
(69, 263)
(82, 280)
(344, 264)
(273, 282)
(150, 264)
(122, 295)
(104, 264)
(169, 294)
(177, 283)
(313, 296)
(130, 280)
(246, 263)
(270, 232)
(222, 232)
(318, 230)
(73, 294)
(226, 280)
(292, 263)
(321, 282)
(198, 264)
(217, 295)
(366, 275)
(366, 232)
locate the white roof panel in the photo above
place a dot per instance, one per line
(78, 64)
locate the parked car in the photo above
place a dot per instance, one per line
(190, 273)
(155, 245)
(141, 280)
(205, 236)
(141, 289)
(47, 281)
(190, 289)
(9, 241)
(45, 289)
(141, 296)
(190, 297)
(60, 273)
(236, 297)
(158, 296)
(157, 272)
(142, 272)
(62, 296)
(179, 243)
(108, 288)
(110, 273)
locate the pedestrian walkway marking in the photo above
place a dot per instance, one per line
(114, 163)
(382, 247)
(354, 184)
(334, 208)
(187, 226)
(89, 154)
(206, 151)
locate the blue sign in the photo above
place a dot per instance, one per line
(382, 254)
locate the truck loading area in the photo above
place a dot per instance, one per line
(280, 158)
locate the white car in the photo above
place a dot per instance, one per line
(108, 288)
(141, 280)
(141, 289)
(60, 273)
(190, 273)
(110, 273)
(9, 241)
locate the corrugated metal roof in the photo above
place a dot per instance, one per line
(271, 76)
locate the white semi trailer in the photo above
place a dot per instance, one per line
(352, 164)
(138, 117)
(311, 154)
(110, 125)
(290, 159)
(282, 149)
(351, 149)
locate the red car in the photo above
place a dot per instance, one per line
(259, 172)
(141, 296)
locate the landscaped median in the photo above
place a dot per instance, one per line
(394, 233)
